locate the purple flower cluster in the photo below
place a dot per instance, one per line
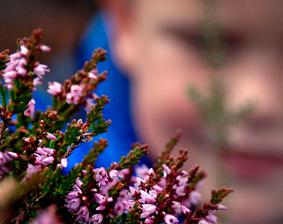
(17, 67)
(77, 202)
(211, 218)
(144, 192)
(75, 92)
(29, 112)
(43, 157)
(5, 158)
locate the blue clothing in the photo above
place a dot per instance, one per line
(121, 134)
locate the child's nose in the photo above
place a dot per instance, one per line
(256, 77)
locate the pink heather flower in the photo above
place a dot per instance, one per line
(221, 207)
(129, 205)
(203, 222)
(54, 88)
(147, 210)
(64, 162)
(142, 171)
(170, 219)
(29, 112)
(157, 188)
(15, 56)
(195, 197)
(6, 157)
(83, 214)
(133, 191)
(12, 155)
(119, 207)
(23, 50)
(179, 208)
(101, 176)
(211, 218)
(89, 104)
(149, 220)
(123, 202)
(44, 156)
(73, 197)
(148, 197)
(37, 81)
(166, 170)
(40, 70)
(32, 169)
(183, 179)
(102, 201)
(50, 136)
(45, 151)
(113, 174)
(93, 74)
(96, 219)
(9, 78)
(47, 161)
(179, 190)
(21, 68)
(45, 48)
(73, 97)
(79, 183)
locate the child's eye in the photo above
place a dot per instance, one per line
(224, 43)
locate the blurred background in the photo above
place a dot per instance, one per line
(212, 68)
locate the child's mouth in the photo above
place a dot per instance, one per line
(247, 164)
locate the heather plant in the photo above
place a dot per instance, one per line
(35, 145)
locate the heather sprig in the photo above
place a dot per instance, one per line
(35, 146)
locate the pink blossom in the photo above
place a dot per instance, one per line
(32, 169)
(24, 51)
(170, 219)
(203, 222)
(29, 112)
(147, 210)
(129, 205)
(50, 136)
(148, 197)
(74, 96)
(45, 48)
(93, 74)
(96, 219)
(83, 214)
(221, 207)
(166, 170)
(89, 104)
(101, 176)
(40, 70)
(21, 70)
(113, 174)
(157, 188)
(6, 157)
(44, 156)
(133, 191)
(195, 197)
(149, 220)
(64, 162)
(142, 171)
(179, 208)
(102, 201)
(9, 78)
(54, 88)
(37, 81)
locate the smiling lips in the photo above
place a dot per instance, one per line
(247, 165)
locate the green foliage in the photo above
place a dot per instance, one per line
(215, 112)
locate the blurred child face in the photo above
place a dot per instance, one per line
(158, 44)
